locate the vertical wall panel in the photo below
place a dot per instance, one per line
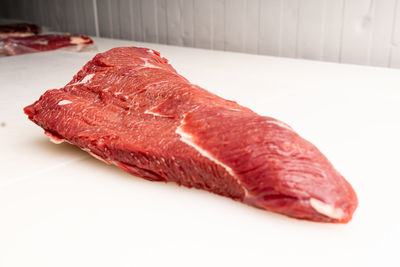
(44, 9)
(251, 26)
(36, 12)
(357, 30)
(72, 17)
(394, 60)
(43, 19)
(149, 22)
(6, 6)
(235, 21)
(186, 7)
(105, 20)
(115, 20)
(180, 22)
(56, 15)
(218, 26)
(24, 11)
(174, 22)
(333, 30)
(349, 31)
(14, 9)
(136, 14)
(382, 32)
(3, 9)
(270, 27)
(55, 19)
(311, 26)
(162, 30)
(86, 12)
(28, 6)
(290, 19)
(125, 20)
(202, 23)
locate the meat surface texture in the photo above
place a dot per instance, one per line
(31, 44)
(19, 30)
(130, 108)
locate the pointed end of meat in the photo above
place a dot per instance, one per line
(297, 180)
(29, 110)
(335, 206)
(312, 209)
(337, 214)
(330, 199)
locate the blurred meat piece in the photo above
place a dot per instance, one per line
(19, 30)
(39, 43)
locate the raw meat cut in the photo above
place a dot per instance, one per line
(19, 30)
(22, 45)
(130, 108)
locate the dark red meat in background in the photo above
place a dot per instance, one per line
(19, 30)
(39, 43)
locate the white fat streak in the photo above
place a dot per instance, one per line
(56, 141)
(64, 102)
(326, 209)
(151, 51)
(16, 34)
(281, 124)
(85, 79)
(41, 42)
(95, 156)
(147, 64)
(98, 157)
(188, 139)
(77, 40)
(154, 113)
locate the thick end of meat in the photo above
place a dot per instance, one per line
(130, 108)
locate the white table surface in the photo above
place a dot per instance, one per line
(61, 207)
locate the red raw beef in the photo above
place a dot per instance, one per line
(19, 30)
(39, 43)
(130, 108)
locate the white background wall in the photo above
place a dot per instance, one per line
(350, 31)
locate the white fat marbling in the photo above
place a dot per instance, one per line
(281, 124)
(95, 156)
(147, 64)
(41, 42)
(77, 40)
(326, 209)
(64, 102)
(85, 79)
(188, 139)
(154, 113)
(151, 51)
(56, 141)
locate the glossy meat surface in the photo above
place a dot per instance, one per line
(130, 108)
(32, 44)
